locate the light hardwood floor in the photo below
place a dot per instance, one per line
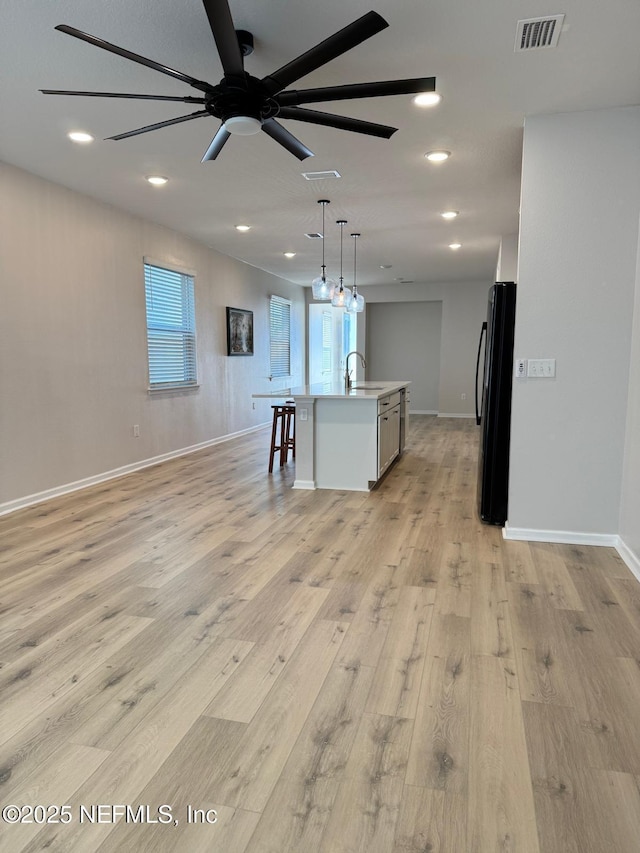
(329, 671)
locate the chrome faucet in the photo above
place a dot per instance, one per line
(347, 375)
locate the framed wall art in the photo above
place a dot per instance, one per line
(239, 331)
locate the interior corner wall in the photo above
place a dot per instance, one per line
(73, 362)
(576, 279)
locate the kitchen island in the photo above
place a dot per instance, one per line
(347, 438)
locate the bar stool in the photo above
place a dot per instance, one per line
(285, 440)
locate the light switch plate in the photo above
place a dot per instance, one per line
(541, 368)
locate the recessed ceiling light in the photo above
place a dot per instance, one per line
(437, 156)
(80, 136)
(289, 254)
(427, 99)
(455, 245)
(385, 266)
(243, 227)
(157, 180)
(449, 214)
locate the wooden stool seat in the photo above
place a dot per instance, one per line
(283, 438)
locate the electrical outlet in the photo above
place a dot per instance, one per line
(463, 396)
(136, 430)
(520, 368)
(304, 414)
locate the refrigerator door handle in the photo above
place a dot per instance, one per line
(482, 334)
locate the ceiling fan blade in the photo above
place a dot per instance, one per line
(287, 140)
(225, 37)
(159, 124)
(217, 144)
(340, 122)
(337, 44)
(186, 99)
(134, 57)
(357, 90)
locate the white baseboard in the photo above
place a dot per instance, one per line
(567, 537)
(632, 560)
(454, 415)
(562, 537)
(304, 484)
(67, 488)
(422, 412)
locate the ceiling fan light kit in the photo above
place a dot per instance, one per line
(243, 125)
(246, 105)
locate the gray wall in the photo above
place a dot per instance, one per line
(630, 504)
(464, 307)
(577, 278)
(73, 369)
(403, 342)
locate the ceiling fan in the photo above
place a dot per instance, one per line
(246, 105)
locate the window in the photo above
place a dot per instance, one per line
(349, 333)
(280, 336)
(171, 333)
(327, 343)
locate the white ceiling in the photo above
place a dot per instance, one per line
(388, 191)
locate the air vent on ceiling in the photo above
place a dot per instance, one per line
(315, 236)
(320, 176)
(534, 33)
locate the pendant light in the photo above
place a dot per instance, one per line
(356, 303)
(322, 287)
(341, 295)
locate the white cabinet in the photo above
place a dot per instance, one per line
(388, 430)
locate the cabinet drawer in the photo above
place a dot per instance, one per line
(388, 402)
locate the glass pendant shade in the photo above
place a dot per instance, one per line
(323, 288)
(356, 305)
(341, 296)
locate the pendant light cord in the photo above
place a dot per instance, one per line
(324, 202)
(341, 223)
(355, 243)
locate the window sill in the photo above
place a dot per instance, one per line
(161, 389)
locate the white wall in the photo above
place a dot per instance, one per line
(403, 342)
(577, 275)
(507, 268)
(73, 369)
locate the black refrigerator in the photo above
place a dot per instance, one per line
(493, 402)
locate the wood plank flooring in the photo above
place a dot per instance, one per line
(314, 671)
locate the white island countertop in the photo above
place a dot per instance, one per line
(336, 390)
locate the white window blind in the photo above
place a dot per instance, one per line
(280, 336)
(327, 341)
(171, 333)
